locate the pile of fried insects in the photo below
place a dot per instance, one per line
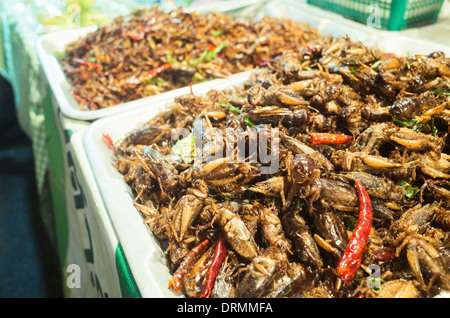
(359, 205)
(150, 51)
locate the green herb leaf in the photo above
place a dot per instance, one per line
(374, 281)
(237, 110)
(216, 32)
(249, 122)
(170, 58)
(438, 92)
(298, 205)
(138, 11)
(214, 192)
(219, 48)
(197, 61)
(416, 126)
(433, 129)
(404, 123)
(231, 108)
(208, 55)
(224, 197)
(350, 223)
(410, 191)
(158, 81)
(198, 76)
(353, 68)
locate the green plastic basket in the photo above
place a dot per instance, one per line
(393, 15)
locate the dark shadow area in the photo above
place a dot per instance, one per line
(29, 266)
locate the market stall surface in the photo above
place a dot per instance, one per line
(29, 266)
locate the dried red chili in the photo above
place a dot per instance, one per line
(328, 138)
(354, 252)
(108, 140)
(177, 279)
(88, 64)
(211, 47)
(264, 61)
(218, 258)
(192, 93)
(152, 73)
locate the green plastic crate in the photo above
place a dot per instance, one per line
(393, 15)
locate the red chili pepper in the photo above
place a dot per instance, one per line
(137, 36)
(152, 73)
(156, 71)
(390, 55)
(192, 93)
(211, 47)
(88, 64)
(327, 138)
(264, 61)
(354, 252)
(218, 258)
(108, 140)
(178, 277)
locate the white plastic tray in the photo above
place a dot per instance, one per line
(145, 257)
(49, 44)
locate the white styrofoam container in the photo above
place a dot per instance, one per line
(145, 257)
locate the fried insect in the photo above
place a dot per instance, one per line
(360, 177)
